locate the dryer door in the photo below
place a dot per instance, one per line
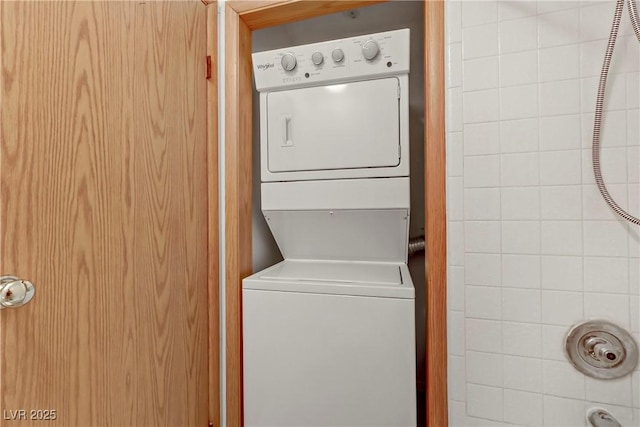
(342, 126)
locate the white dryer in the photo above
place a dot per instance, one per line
(328, 333)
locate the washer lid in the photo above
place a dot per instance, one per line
(380, 274)
(335, 277)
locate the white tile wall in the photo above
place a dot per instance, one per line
(559, 28)
(517, 35)
(553, 342)
(484, 368)
(594, 206)
(521, 339)
(476, 13)
(482, 269)
(613, 307)
(522, 373)
(512, 9)
(521, 271)
(520, 203)
(485, 402)
(521, 305)
(480, 41)
(482, 236)
(518, 136)
(605, 238)
(532, 246)
(457, 378)
(523, 409)
(561, 97)
(562, 412)
(455, 294)
(559, 63)
(562, 308)
(561, 379)
(480, 73)
(560, 132)
(563, 273)
(481, 138)
(560, 167)
(482, 204)
(615, 392)
(520, 237)
(483, 302)
(481, 171)
(519, 169)
(561, 238)
(456, 144)
(518, 102)
(561, 202)
(518, 68)
(605, 274)
(483, 335)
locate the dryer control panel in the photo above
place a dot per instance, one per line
(362, 57)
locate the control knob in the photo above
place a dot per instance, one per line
(317, 58)
(370, 49)
(337, 55)
(288, 61)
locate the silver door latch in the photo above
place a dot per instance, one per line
(15, 292)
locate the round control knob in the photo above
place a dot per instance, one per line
(288, 61)
(337, 55)
(317, 58)
(370, 49)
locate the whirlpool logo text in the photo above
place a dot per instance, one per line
(266, 66)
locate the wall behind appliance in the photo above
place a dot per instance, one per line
(372, 19)
(533, 248)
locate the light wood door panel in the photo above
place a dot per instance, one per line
(103, 205)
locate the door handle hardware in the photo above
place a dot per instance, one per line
(15, 292)
(286, 131)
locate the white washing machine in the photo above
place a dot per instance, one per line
(328, 333)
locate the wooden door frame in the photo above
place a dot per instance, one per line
(241, 18)
(213, 234)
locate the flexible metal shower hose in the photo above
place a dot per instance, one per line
(597, 123)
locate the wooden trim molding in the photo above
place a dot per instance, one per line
(241, 17)
(243, 7)
(238, 189)
(263, 14)
(213, 230)
(435, 215)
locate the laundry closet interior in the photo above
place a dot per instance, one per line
(344, 23)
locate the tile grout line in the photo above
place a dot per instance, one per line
(500, 202)
(582, 220)
(539, 90)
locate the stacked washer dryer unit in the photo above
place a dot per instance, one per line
(328, 333)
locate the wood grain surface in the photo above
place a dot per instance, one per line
(249, 6)
(238, 189)
(104, 206)
(436, 215)
(214, 231)
(263, 14)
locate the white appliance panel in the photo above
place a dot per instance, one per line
(373, 193)
(328, 360)
(328, 334)
(355, 235)
(382, 280)
(392, 59)
(343, 126)
(341, 271)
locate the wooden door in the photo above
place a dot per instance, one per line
(103, 206)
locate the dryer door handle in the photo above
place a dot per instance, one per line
(286, 131)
